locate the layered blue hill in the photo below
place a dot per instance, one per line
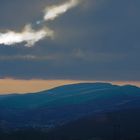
(61, 105)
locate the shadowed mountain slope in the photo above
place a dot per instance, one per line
(58, 106)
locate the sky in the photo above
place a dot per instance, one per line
(69, 40)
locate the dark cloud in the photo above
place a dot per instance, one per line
(98, 40)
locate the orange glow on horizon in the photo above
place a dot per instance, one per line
(8, 86)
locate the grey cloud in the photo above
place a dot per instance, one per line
(100, 43)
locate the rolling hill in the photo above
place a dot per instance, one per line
(49, 109)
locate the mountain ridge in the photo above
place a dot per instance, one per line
(76, 84)
(51, 108)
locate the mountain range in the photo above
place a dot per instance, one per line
(70, 108)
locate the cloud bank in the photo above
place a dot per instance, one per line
(98, 42)
(30, 36)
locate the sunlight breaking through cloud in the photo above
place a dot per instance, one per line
(55, 11)
(28, 35)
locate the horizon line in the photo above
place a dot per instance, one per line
(19, 86)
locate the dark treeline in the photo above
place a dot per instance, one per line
(38, 135)
(120, 125)
(23, 135)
